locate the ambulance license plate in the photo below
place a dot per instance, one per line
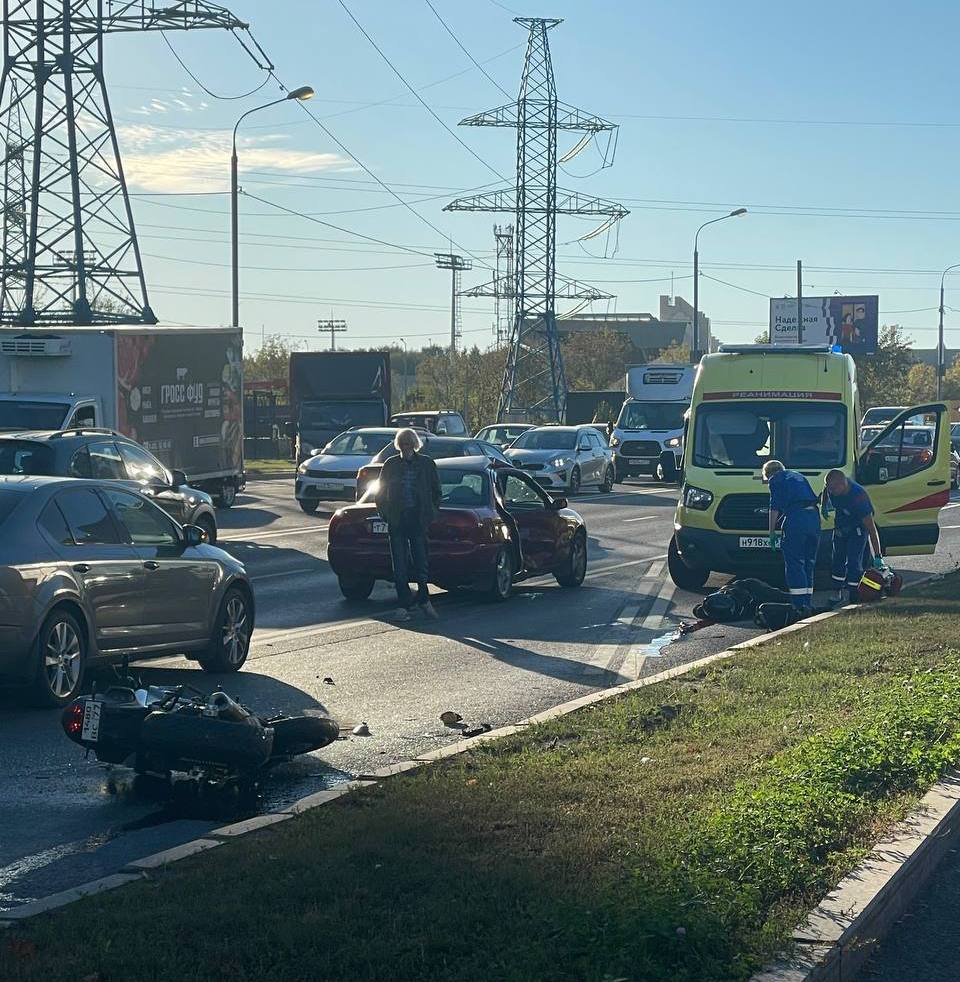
(754, 541)
(378, 528)
(90, 731)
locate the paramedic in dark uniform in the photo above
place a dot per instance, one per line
(853, 528)
(795, 507)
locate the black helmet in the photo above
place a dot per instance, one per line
(720, 606)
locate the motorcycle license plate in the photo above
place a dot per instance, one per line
(91, 721)
(378, 528)
(754, 541)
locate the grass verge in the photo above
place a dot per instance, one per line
(258, 468)
(677, 833)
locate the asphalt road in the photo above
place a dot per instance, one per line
(64, 819)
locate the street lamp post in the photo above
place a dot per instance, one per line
(300, 95)
(404, 343)
(695, 346)
(941, 353)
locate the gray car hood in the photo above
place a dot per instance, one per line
(337, 462)
(521, 456)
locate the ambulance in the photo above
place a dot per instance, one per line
(798, 404)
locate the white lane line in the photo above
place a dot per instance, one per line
(643, 518)
(286, 572)
(628, 615)
(273, 534)
(612, 569)
(654, 623)
(950, 526)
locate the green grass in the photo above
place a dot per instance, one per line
(677, 833)
(269, 466)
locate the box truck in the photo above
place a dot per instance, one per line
(333, 391)
(648, 437)
(176, 390)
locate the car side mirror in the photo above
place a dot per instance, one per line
(179, 478)
(290, 429)
(193, 535)
(558, 504)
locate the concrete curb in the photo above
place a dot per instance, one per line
(836, 940)
(815, 957)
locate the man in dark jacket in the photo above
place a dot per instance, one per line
(408, 500)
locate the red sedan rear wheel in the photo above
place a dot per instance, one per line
(502, 585)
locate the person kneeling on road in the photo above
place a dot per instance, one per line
(853, 528)
(409, 499)
(794, 506)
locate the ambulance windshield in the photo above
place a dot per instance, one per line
(747, 434)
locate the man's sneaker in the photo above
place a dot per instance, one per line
(429, 611)
(401, 614)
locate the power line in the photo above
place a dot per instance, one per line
(416, 94)
(460, 45)
(213, 95)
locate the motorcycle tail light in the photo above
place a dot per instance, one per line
(72, 719)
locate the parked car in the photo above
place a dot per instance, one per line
(443, 422)
(93, 571)
(955, 436)
(886, 414)
(436, 447)
(106, 455)
(502, 435)
(332, 472)
(496, 526)
(913, 454)
(569, 457)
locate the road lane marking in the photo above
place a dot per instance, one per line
(643, 518)
(628, 615)
(654, 623)
(272, 534)
(286, 572)
(603, 571)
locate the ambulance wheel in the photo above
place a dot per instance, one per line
(684, 576)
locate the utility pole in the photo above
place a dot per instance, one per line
(456, 265)
(503, 284)
(799, 302)
(335, 327)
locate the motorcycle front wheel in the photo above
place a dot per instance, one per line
(293, 735)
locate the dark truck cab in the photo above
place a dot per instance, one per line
(334, 391)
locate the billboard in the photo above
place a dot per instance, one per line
(851, 322)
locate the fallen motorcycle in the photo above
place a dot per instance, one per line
(160, 730)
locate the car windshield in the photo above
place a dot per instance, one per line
(911, 438)
(881, 414)
(546, 440)
(747, 434)
(359, 444)
(17, 414)
(462, 489)
(500, 434)
(340, 415)
(435, 448)
(25, 457)
(652, 416)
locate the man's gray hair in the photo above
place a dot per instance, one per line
(407, 435)
(772, 467)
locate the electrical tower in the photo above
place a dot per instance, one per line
(78, 260)
(503, 295)
(534, 386)
(334, 327)
(456, 264)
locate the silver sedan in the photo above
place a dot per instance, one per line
(91, 572)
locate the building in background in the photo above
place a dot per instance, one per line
(677, 310)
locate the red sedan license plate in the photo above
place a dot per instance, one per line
(378, 528)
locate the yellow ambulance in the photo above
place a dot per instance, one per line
(797, 404)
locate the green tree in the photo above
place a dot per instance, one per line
(596, 360)
(762, 338)
(270, 361)
(921, 384)
(675, 354)
(883, 377)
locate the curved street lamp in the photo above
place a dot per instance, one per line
(301, 94)
(941, 352)
(695, 346)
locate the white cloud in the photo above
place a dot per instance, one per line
(169, 159)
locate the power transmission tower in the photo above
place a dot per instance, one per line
(456, 264)
(13, 269)
(534, 386)
(80, 262)
(503, 295)
(335, 327)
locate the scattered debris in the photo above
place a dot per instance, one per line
(646, 760)
(450, 718)
(482, 728)
(327, 680)
(361, 729)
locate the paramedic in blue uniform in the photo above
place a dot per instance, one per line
(853, 529)
(794, 508)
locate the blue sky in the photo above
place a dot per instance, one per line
(835, 124)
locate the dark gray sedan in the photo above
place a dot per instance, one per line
(91, 572)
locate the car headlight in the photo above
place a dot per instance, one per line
(672, 442)
(697, 498)
(558, 462)
(302, 469)
(615, 441)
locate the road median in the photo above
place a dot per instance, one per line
(679, 831)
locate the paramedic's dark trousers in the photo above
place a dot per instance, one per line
(801, 540)
(849, 549)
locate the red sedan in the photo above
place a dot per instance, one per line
(496, 526)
